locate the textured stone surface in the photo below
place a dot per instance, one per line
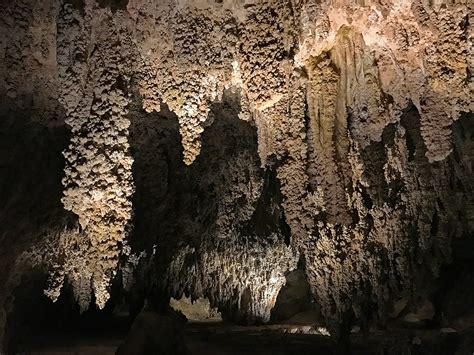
(294, 297)
(198, 311)
(213, 144)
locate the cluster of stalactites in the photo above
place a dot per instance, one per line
(356, 90)
(98, 182)
(363, 66)
(366, 185)
(240, 273)
(235, 270)
(98, 187)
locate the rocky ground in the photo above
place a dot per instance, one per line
(217, 339)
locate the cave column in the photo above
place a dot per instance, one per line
(98, 182)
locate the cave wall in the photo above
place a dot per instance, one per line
(205, 135)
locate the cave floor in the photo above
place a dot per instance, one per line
(210, 339)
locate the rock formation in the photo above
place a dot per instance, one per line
(209, 146)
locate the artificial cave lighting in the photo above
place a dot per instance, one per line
(236, 176)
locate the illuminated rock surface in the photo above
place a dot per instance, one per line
(199, 311)
(206, 149)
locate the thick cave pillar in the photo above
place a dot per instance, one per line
(98, 182)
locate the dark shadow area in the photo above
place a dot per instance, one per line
(176, 206)
(36, 320)
(455, 295)
(113, 4)
(31, 169)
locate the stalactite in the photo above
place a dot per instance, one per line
(98, 173)
(191, 64)
(327, 139)
(356, 106)
(241, 275)
(98, 182)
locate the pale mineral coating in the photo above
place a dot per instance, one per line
(357, 106)
(199, 310)
(240, 275)
(98, 173)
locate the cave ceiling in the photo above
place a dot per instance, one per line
(207, 148)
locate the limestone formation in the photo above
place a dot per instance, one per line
(98, 173)
(214, 145)
(198, 311)
(240, 278)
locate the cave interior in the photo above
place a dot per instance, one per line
(236, 177)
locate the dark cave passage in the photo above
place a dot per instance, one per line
(183, 209)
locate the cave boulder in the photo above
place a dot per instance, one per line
(423, 311)
(154, 333)
(294, 297)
